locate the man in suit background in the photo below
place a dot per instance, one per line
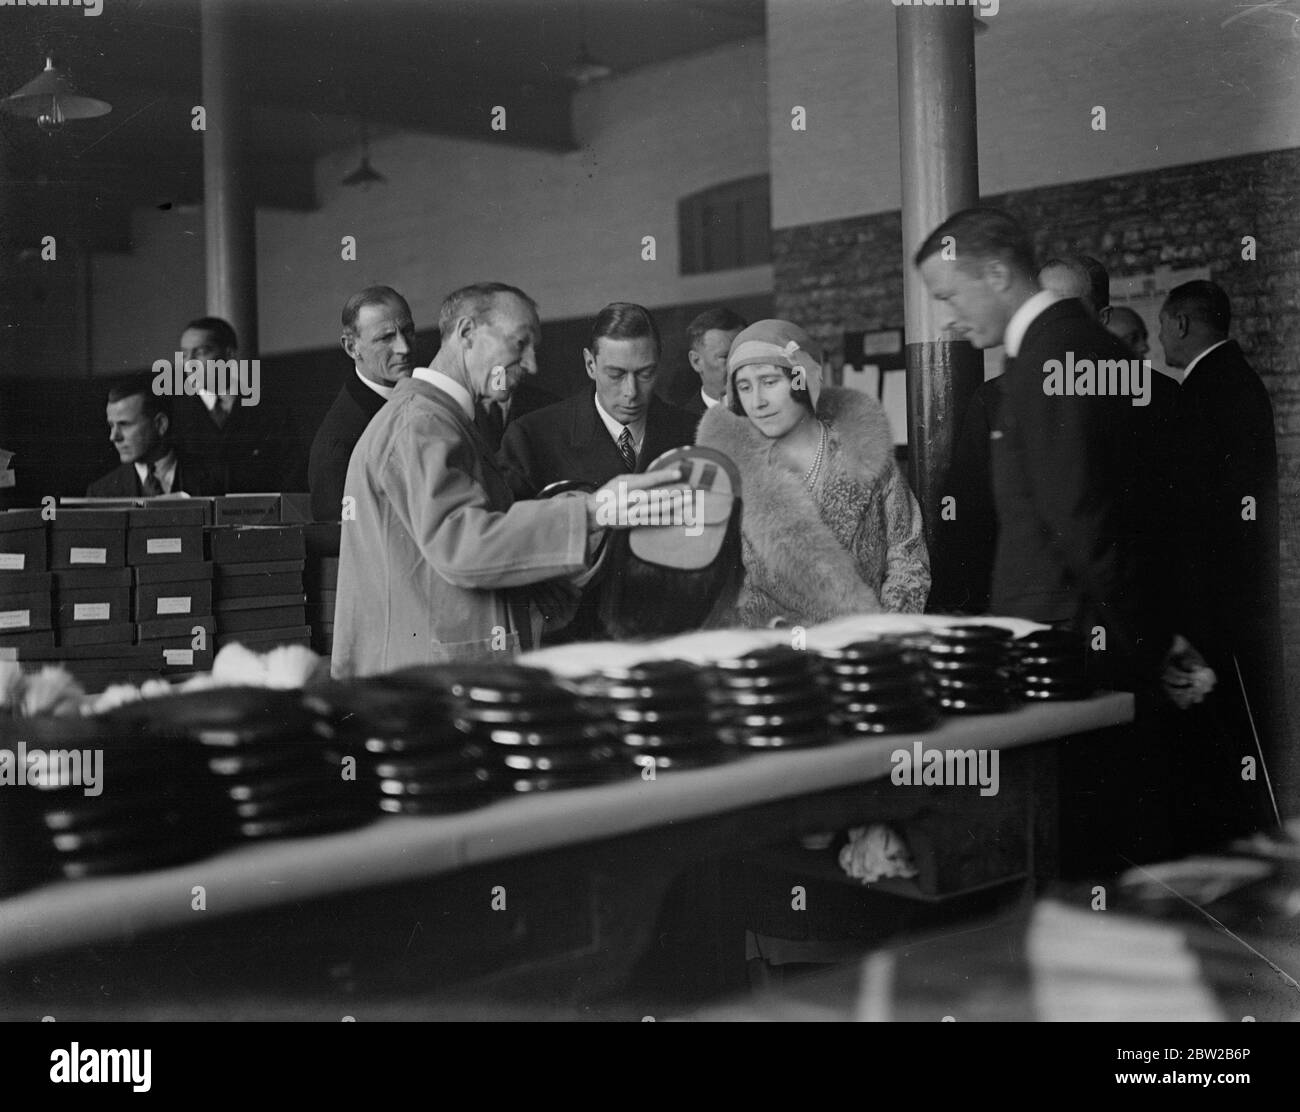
(379, 338)
(1226, 571)
(1124, 324)
(139, 425)
(441, 563)
(617, 426)
(1068, 490)
(250, 447)
(708, 340)
(1079, 276)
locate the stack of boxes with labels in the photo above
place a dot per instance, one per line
(259, 601)
(139, 589)
(26, 587)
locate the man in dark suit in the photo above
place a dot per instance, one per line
(1067, 458)
(1226, 576)
(139, 425)
(708, 340)
(250, 441)
(618, 427)
(379, 338)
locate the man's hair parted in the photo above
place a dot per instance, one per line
(622, 320)
(371, 295)
(128, 386)
(981, 234)
(720, 319)
(475, 301)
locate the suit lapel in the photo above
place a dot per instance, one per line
(590, 439)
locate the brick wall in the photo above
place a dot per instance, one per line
(845, 275)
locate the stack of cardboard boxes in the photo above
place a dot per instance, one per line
(128, 590)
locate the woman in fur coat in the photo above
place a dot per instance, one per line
(829, 526)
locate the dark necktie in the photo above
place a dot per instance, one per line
(152, 485)
(220, 414)
(492, 424)
(626, 450)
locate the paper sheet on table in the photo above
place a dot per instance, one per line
(1104, 966)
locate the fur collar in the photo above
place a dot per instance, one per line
(799, 554)
(858, 428)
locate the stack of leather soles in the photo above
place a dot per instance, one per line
(141, 812)
(879, 687)
(269, 769)
(1052, 666)
(410, 758)
(539, 734)
(974, 669)
(661, 713)
(774, 700)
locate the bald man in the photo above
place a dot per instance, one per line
(1129, 328)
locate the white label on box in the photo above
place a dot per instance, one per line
(163, 546)
(180, 604)
(91, 611)
(15, 619)
(178, 656)
(88, 556)
(13, 561)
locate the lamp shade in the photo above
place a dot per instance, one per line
(50, 99)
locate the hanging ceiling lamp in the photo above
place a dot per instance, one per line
(50, 99)
(365, 175)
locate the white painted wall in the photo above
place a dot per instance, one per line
(1177, 86)
(565, 227)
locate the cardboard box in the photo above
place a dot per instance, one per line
(16, 642)
(15, 583)
(258, 586)
(262, 640)
(167, 544)
(23, 613)
(177, 629)
(295, 508)
(90, 579)
(275, 617)
(82, 538)
(93, 605)
(171, 573)
(243, 544)
(247, 509)
(169, 514)
(24, 542)
(261, 602)
(100, 636)
(166, 600)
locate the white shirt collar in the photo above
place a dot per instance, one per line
(1023, 317)
(709, 402)
(447, 385)
(1188, 369)
(209, 399)
(616, 427)
(384, 392)
(164, 468)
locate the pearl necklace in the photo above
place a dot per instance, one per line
(814, 472)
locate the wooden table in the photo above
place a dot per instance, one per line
(551, 897)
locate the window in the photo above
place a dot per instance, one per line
(727, 226)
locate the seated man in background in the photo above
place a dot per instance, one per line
(1127, 327)
(379, 337)
(708, 340)
(618, 426)
(248, 440)
(139, 425)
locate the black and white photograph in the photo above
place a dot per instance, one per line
(707, 511)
